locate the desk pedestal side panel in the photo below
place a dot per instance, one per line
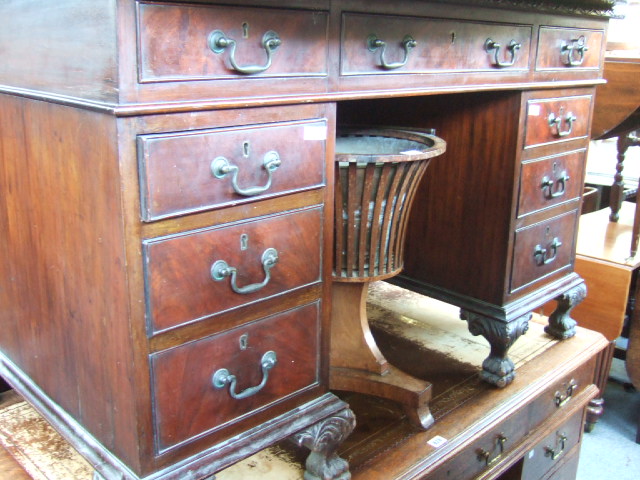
(64, 294)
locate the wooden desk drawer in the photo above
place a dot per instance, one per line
(198, 274)
(440, 45)
(271, 359)
(552, 449)
(192, 171)
(543, 249)
(545, 182)
(552, 120)
(496, 443)
(176, 42)
(569, 49)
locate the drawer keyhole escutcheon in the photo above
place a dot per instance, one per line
(555, 123)
(512, 48)
(222, 377)
(221, 270)
(221, 167)
(244, 341)
(558, 448)
(561, 398)
(575, 51)
(498, 450)
(374, 43)
(219, 42)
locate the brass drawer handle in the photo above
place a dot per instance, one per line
(512, 48)
(485, 456)
(545, 256)
(222, 377)
(220, 168)
(561, 398)
(558, 448)
(219, 42)
(575, 51)
(555, 122)
(374, 43)
(548, 184)
(221, 270)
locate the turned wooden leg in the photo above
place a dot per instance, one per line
(595, 409)
(357, 365)
(617, 188)
(497, 369)
(561, 325)
(323, 439)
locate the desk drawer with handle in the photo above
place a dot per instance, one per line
(197, 274)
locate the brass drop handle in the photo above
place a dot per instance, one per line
(558, 448)
(219, 42)
(545, 256)
(555, 122)
(221, 270)
(221, 167)
(223, 377)
(548, 185)
(512, 48)
(561, 398)
(374, 43)
(575, 51)
(498, 449)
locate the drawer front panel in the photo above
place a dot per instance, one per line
(569, 49)
(192, 396)
(187, 172)
(546, 182)
(562, 393)
(542, 249)
(550, 451)
(490, 446)
(199, 274)
(186, 42)
(440, 45)
(552, 120)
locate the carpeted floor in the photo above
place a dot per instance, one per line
(610, 451)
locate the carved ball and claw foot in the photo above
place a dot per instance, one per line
(497, 369)
(561, 325)
(323, 439)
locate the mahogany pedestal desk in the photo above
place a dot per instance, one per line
(167, 189)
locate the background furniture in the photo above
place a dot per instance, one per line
(617, 114)
(166, 223)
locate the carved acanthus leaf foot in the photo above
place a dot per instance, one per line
(323, 439)
(561, 325)
(497, 369)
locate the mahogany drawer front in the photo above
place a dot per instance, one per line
(542, 249)
(198, 274)
(562, 393)
(545, 182)
(508, 433)
(440, 45)
(191, 171)
(271, 359)
(552, 120)
(569, 49)
(552, 449)
(178, 42)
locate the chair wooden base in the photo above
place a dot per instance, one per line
(357, 365)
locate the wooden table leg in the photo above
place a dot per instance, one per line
(357, 365)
